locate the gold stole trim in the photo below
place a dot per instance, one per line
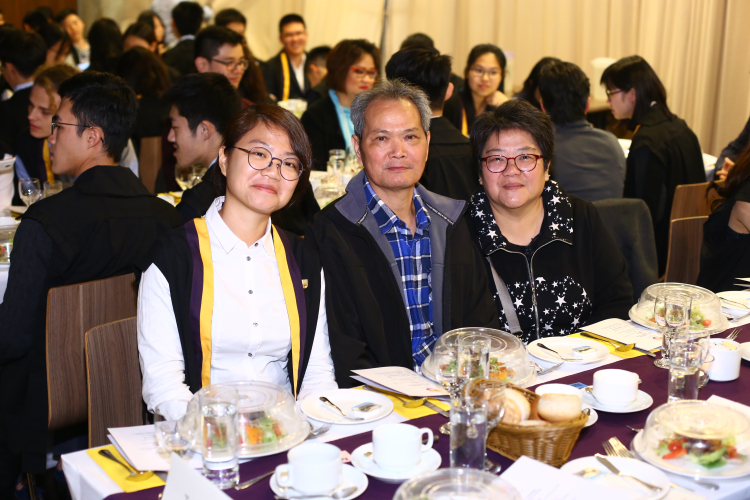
(47, 162)
(291, 304)
(285, 71)
(207, 301)
(464, 123)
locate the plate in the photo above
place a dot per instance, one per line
(430, 461)
(735, 296)
(652, 326)
(635, 468)
(593, 416)
(642, 402)
(563, 345)
(345, 399)
(352, 477)
(19, 209)
(745, 351)
(684, 467)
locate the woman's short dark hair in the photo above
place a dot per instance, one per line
(227, 16)
(736, 178)
(565, 91)
(514, 114)
(633, 72)
(105, 39)
(480, 50)
(105, 101)
(147, 16)
(271, 116)
(531, 83)
(142, 30)
(343, 55)
(143, 71)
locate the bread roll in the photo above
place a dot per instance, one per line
(529, 423)
(559, 407)
(517, 407)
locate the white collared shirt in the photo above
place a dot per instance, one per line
(250, 332)
(22, 86)
(299, 72)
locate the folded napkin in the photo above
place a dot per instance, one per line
(118, 474)
(412, 413)
(629, 354)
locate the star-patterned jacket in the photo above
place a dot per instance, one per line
(570, 275)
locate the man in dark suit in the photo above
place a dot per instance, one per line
(186, 21)
(450, 169)
(21, 54)
(285, 73)
(93, 230)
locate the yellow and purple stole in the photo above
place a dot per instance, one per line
(202, 297)
(285, 73)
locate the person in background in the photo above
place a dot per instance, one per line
(58, 43)
(252, 86)
(285, 72)
(425, 41)
(482, 90)
(33, 156)
(589, 162)
(664, 153)
(729, 154)
(96, 229)
(153, 20)
(557, 267)
(106, 45)
(186, 21)
(21, 53)
(530, 91)
(220, 50)
(725, 255)
(399, 265)
(450, 170)
(35, 19)
(75, 27)
(316, 71)
(2, 18)
(163, 9)
(232, 19)
(352, 68)
(140, 34)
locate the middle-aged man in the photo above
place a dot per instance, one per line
(21, 53)
(93, 230)
(399, 264)
(589, 162)
(219, 50)
(187, 18)
(285, 73)
(450, 169)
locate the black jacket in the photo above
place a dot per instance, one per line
(450, 170)
(274, 78)
(96, 229)
(368, 325)
(181, 57)
(14, 116)
(570, 275)
(664, 154)
(322, 126)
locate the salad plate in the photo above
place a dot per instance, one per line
(705, 311)
(565, 348)
(636, 468)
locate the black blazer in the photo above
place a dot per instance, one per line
(181, 57)
(274, 78)
(14, 116)
(322, 126)
(450, 169)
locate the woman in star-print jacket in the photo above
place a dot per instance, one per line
(556, 257)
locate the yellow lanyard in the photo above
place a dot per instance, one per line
(285, 70)
(47, 162)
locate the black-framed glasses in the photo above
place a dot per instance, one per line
(610, 93)
(56, 124)
(525, 162)
(233, 65)
(260, 159)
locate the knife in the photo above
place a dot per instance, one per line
(615, 470)
(597, 336)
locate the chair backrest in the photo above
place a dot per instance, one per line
(690, 201)
(684, 258)
(629, 223)
(150, 161)
(71, 311)
(114, 379)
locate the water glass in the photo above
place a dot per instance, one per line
(492, 392)
(172, 435)
(468, 440)
(29, 190)
(685, 360)
(672, 316)
(474, 357)
(703, 380)
(187, 177)
(218, 407)
(51, 188)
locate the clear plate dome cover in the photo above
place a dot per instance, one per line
(705, 312)
(452, 484)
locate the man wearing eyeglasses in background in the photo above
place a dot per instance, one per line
(93, 230)
(285, 73)
(219, 50)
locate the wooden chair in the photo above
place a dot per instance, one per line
(685, 241)
(114, 379)
(690, 201)
(71, 311)
(149, 161)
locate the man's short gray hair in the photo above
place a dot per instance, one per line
(390, 90)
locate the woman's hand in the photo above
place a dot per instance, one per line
(722, 174)
(496, 98)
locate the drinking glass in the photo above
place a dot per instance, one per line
(473, 357)
(492, 392)
(703, 379)
(446, 372)
(685, 360)
(189, 176)
(468, 433)
(672, 316)
(218, 407)
(172, 434)
(29, 190)
(51, 188)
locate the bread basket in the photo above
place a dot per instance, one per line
(551, 444)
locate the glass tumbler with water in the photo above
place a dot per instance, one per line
(685, 360)
(672, 316)
(218, 407)
(468, 432)
(474, 357)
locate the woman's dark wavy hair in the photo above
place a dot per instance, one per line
(736, 177)
(105, 39)
(532, 81)
(269, 115)
(252, 85)
(142, 30)
(147, 16)
(480, 50)
(633, 72)
(143, 71)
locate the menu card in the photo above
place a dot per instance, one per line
(625, 331)
(138, 446)
(401, 380)
(184, 483)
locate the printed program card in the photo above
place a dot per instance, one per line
(624, 331)
(403, 380)
(185, 483)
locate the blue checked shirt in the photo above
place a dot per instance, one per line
(413, 256)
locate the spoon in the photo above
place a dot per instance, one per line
(134, 474)
(329, 403)
(588, 472)
(415, 403)
(622, 348)
(590, 390)
(338, 494)
(557, 353)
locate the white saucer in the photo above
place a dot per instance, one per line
(430, 461)
(563, 345)
(593, 416)
(642, 402)
(740, 297)
(345, 399)
(352, 477)
(635, 468)
(745, 351)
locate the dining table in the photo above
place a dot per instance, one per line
(80, 473)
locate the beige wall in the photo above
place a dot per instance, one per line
(699, 48)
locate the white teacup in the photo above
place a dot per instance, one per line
(398, 447)
(313, 469)
(727, 360)
(616, 387)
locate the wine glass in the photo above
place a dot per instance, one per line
(446, 373)
(173, 435)
(188, 176)
(492, 392)
(473, 357)
(672, 315)
(29, 190)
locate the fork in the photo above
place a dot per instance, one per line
(734, 333)
(318, 432)
(545, 371)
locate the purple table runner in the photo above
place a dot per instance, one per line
(654, 382)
